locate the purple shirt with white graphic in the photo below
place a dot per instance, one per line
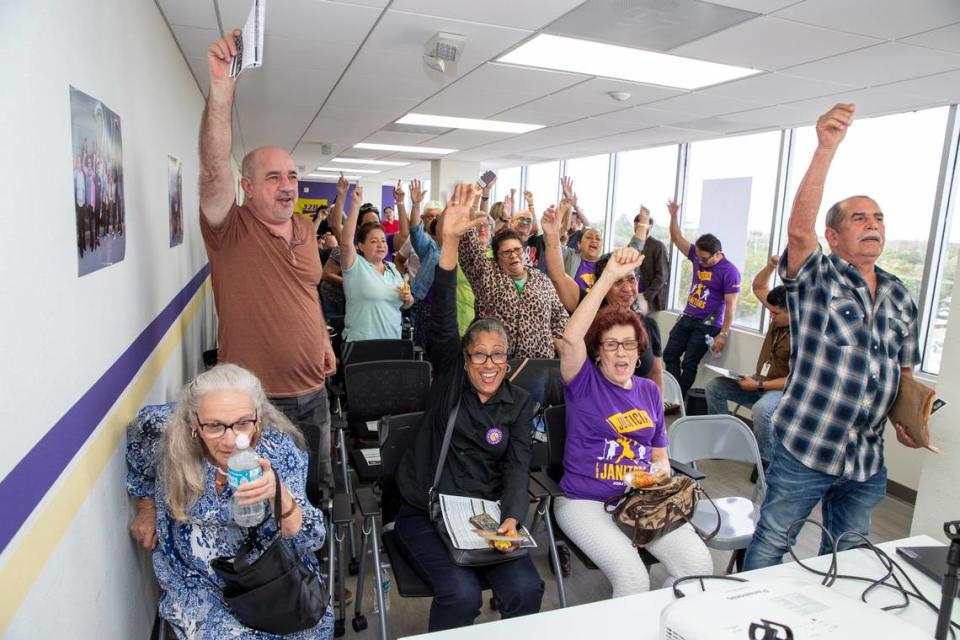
(586, 274)
(710, 285)
(610, 432)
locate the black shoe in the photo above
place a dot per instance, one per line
(563, 555)
(754, 475)
(670, 408)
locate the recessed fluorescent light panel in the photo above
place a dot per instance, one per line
(353, 170)
(403, 148)
(449, 122)
(383, 163)
(613, 61)
(331, 176)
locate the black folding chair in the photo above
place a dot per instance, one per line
(540, 377)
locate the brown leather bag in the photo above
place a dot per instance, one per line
(653, 512)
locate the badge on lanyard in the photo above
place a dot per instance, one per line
(765, 369)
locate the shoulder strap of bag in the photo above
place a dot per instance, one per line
(520, 368)
(448, 434)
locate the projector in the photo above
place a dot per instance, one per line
(807, 610)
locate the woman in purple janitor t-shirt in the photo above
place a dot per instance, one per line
(614, 426)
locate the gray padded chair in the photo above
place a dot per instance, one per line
(673, 393)
(722, 437)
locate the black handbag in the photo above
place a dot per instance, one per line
(275, 593)
(461, 557)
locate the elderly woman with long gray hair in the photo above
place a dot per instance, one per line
(194, 502)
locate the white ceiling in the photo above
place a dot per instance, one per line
(339, 72)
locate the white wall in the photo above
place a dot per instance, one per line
(60, 332)
(939, 497)
(740, 354)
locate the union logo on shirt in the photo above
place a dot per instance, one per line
(589, 279)
(705, 276)
(632, 420)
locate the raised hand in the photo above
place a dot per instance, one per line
(773, 261)
(398, 195)
(416, 192)
(356, 198)
(342, 185)
(508, 204)
(673, 208)
(220, 55)
(456, 219)
(832, 126)
(567, 185)
(528, 198)
(623, 262)
(550, 221)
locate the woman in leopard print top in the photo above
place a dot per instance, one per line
(523, 300)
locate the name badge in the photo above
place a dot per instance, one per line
(765, 369)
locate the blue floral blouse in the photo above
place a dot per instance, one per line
(192, 597)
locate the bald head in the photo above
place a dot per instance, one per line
(270, 183)
(838, 211)
(251, 161)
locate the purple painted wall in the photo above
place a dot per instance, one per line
(320, 190)
(386, 197)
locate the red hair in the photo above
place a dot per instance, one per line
(610, 317)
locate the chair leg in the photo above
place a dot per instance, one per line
(543, 510)
(337, 581)
(378, 582)
(736, 561)
(362, 574)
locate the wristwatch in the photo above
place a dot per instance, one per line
(759, 385)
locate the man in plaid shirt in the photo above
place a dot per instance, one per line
(854, 331)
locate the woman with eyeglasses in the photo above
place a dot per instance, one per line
(519, 297)
(623, 294)
(615, 427)
(489, 455)
(194, 502)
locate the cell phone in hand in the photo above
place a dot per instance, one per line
(487, 177)
(484, 521)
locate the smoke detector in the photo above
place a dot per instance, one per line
(619, 96)
(443, 50)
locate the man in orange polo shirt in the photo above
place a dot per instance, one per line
(265, 268)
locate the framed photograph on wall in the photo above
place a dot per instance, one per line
(175, 199)
(97, 183)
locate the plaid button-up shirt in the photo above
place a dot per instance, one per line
(846, 354)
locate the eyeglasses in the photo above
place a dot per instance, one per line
(524, 220)
(506, 253)
(217, 429)
(479, 357)
(614, 345)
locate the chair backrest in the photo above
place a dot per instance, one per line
(398, 434)
(540, 377)
(719, 437)
(386, 387)
(368, 350)
(672, 391)
(555, 419)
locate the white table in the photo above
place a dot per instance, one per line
(605, 618)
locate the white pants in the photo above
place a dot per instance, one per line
(592, 529)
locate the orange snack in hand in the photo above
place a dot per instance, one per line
(503, 545)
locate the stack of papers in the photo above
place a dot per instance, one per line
(726, 373)
(457, 511)
(250, 41)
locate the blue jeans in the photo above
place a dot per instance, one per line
(687, 339)
(311, 413)
(793, 489)
(458, 590)
(721, 390)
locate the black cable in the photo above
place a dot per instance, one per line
(831, 575)
(680, 594)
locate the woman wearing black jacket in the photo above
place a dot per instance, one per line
(489, 455)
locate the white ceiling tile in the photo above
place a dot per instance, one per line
(363, 88)
(467, 139)
(328, 56)
(189, 13)
(367, 3)
(285, 85)
(510, 77)
(779, 115)
(756, 6)
(771, 44)
(648, 116)
(715, 124)
(407, 32)
(473, 102)
(198, 66)
(529, 14)
(306, 20)
(194, 41)
(947, 38)
(888, 19)
(543, 113)
(773, 88)
(647, 24)
(282, 126)
(869, 102)
(596, 91)
(702, 104)
(879, 65)
(400, 137)
(943, 87)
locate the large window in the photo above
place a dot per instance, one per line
(543, 181)
(896, 161)
(731, 185)
(646, 177)
(944, 294)
(506, 179)
(590, 183)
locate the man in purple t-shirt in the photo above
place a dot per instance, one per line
(710, 304)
